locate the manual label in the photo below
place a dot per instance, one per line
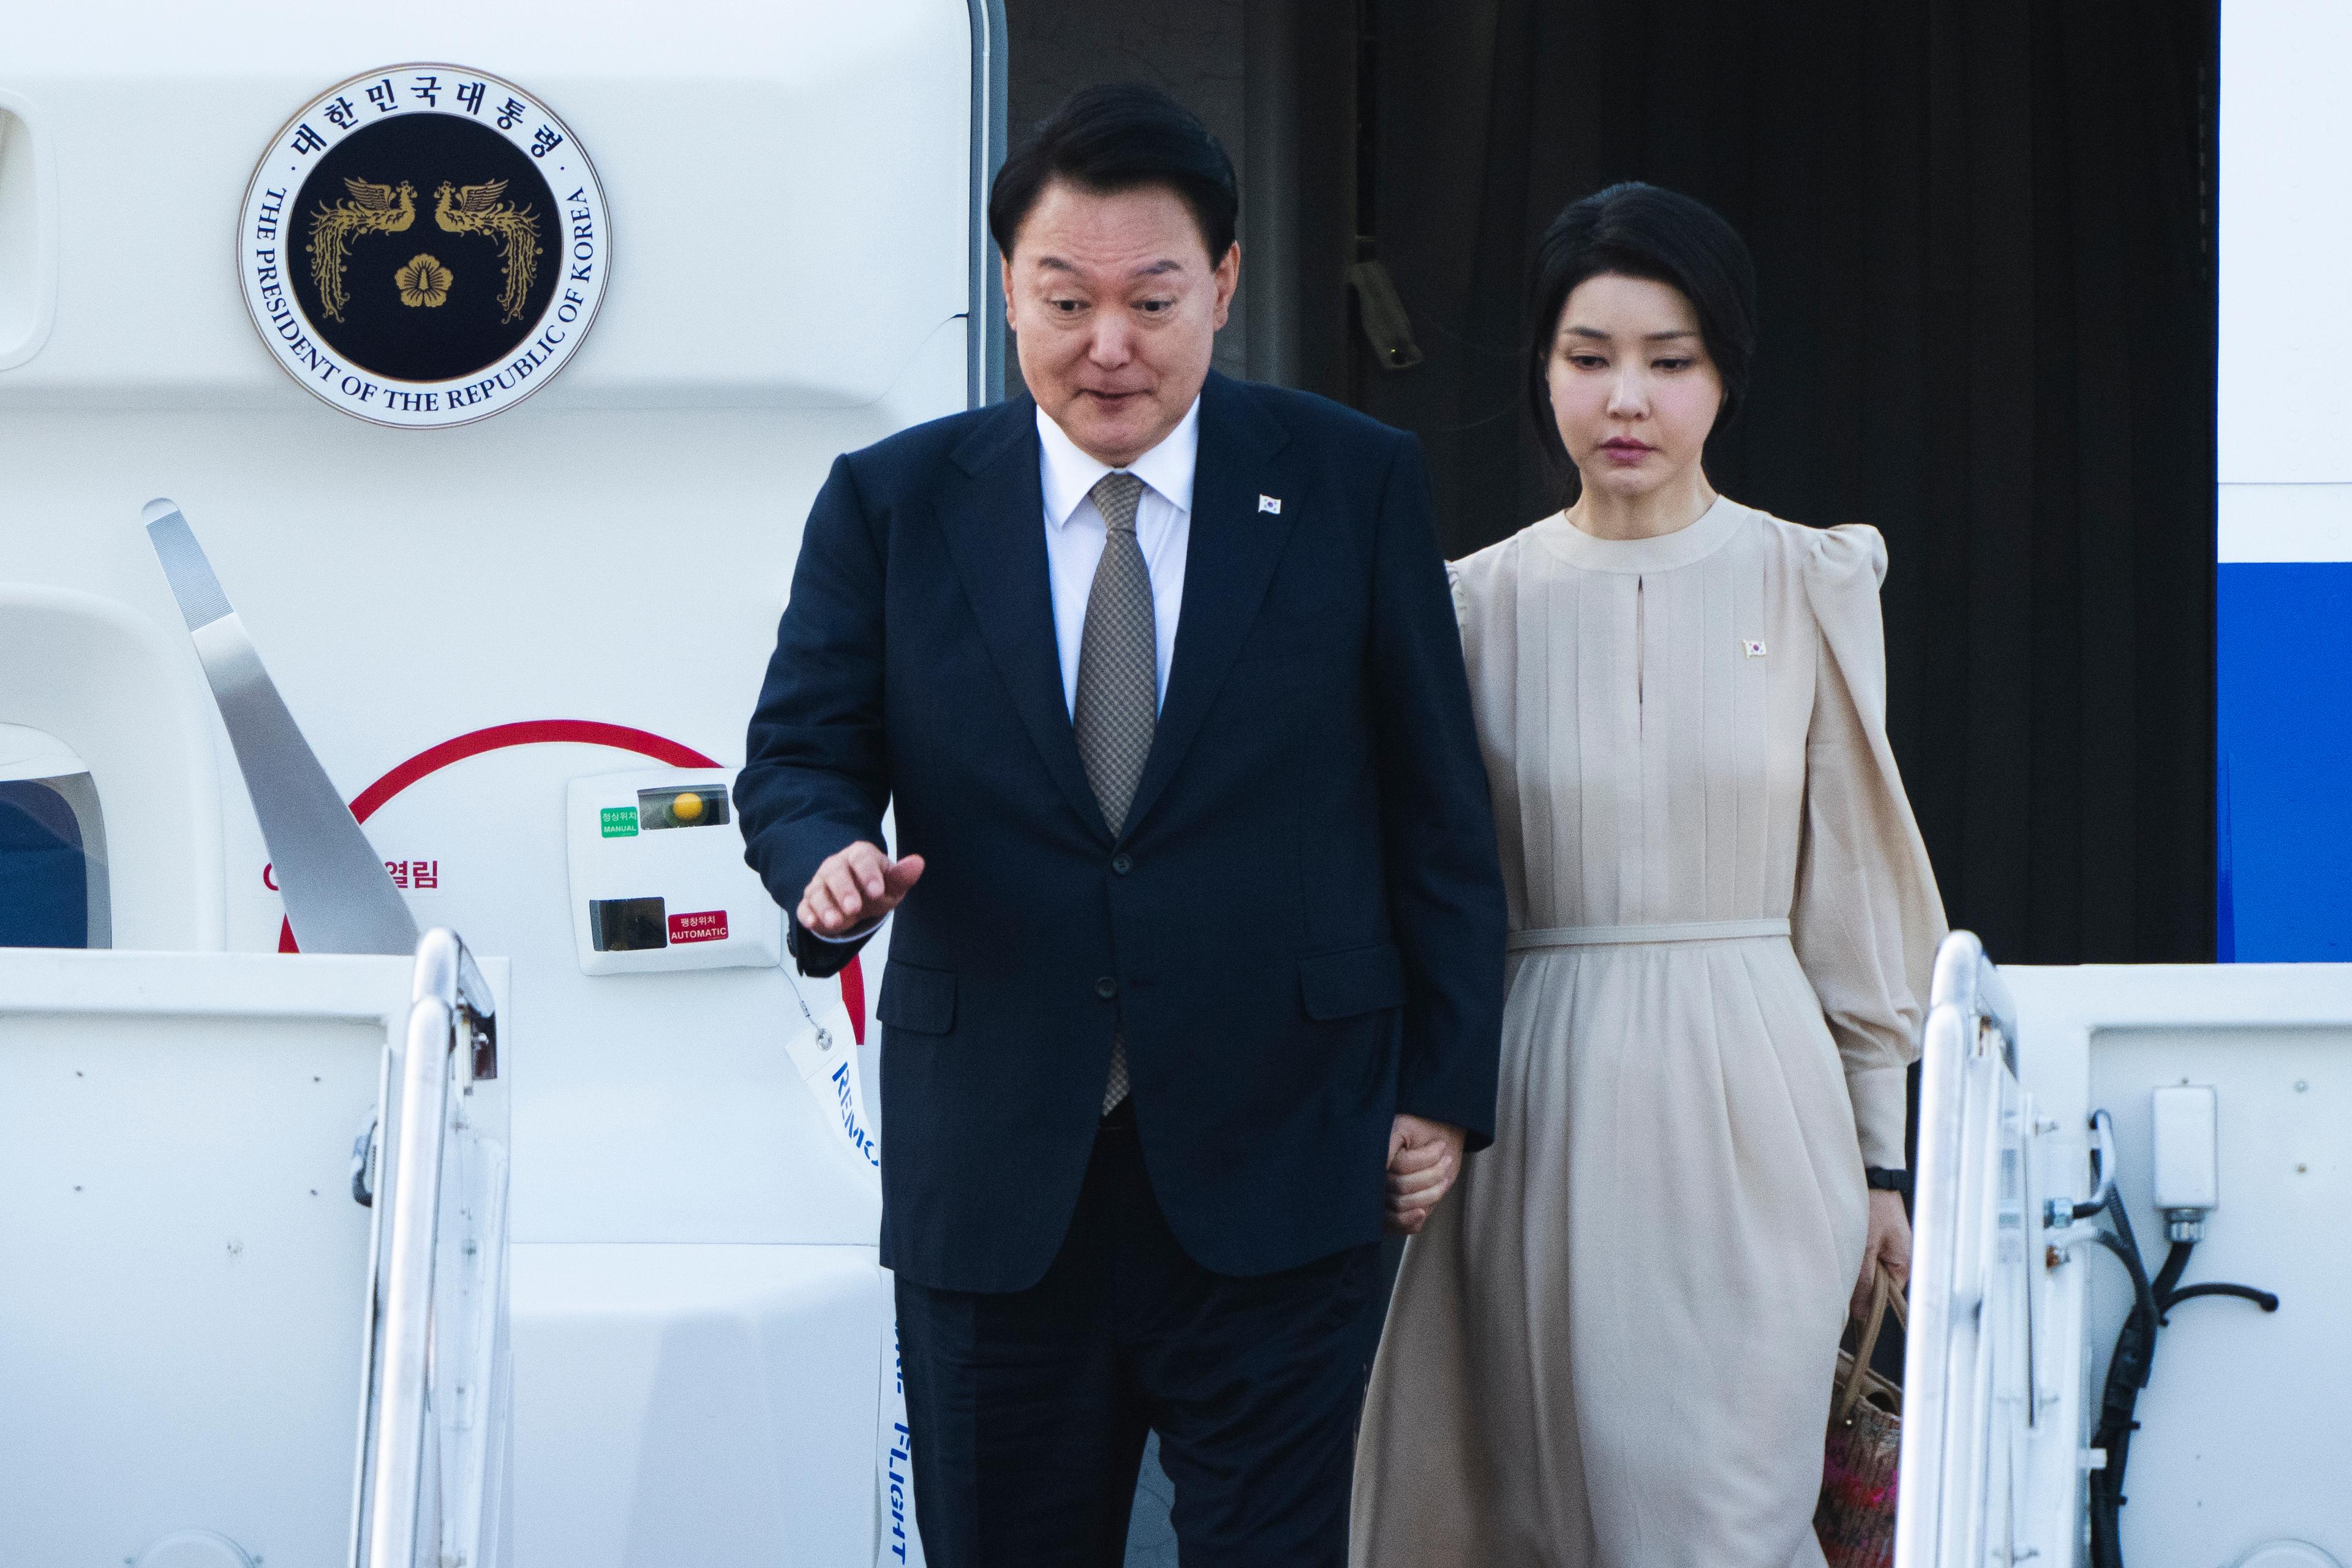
(620, 821)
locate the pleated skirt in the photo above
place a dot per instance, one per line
(1613, 1345)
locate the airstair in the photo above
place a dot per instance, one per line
(429, 1482)
(1976, 1414)
(202, 1258)
(203, 1249)
(2064, 1401)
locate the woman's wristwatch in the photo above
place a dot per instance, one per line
(1882, 1180)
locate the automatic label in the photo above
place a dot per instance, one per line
(704, 925)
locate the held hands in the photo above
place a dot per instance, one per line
(1424, 1159)
(1889, 1247)
(856, 887)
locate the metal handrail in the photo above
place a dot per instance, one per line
(452, 1029)
(1972, 984)
(1969, 1010)
(985, 312)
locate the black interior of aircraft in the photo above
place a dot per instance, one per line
(1985, 241)
(1984, 236)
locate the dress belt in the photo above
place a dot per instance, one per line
(1629, 936)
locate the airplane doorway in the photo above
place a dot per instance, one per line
(1985, 240)
(1984, 235)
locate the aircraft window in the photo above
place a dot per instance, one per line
(53, 883)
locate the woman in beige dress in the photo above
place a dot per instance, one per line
(1614, 1344)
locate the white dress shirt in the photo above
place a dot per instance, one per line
(1074, 533)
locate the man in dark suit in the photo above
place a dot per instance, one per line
(1200, 924)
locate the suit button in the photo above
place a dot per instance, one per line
(1121, 864)
(1106, 988)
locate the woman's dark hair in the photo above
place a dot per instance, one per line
(1634, 231)
(1117, 138)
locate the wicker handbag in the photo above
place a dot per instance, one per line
(1855, 1518)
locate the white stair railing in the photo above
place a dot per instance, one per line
(452, 1040)
(1968, 1327)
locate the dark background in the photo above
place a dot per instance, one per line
(1983, 231)
(1984, 237)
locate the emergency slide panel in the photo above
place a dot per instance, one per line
(185, 1308)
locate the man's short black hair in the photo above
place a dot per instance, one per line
(1116, 138)
(1634, 231)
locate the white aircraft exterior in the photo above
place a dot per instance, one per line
(493, 636)
(612, 1297)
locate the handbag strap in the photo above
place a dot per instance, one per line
(1884, 1298)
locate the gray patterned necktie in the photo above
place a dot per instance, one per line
(1118, 705)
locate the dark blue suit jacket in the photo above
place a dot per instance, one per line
(1302, 924)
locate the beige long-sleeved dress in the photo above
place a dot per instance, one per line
(1614, 1344)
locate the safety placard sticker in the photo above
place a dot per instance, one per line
(704, 925)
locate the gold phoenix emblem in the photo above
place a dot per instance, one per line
(369, 210)
(475, 209)
(424, 282)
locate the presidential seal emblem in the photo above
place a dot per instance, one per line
(423, 245)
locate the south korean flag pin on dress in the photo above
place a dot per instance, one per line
(1270, 503)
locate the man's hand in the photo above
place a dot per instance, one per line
(856, 887)
(1889, 1247)
(1424, 1159)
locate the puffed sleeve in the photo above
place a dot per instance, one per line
(1867, 915)
(1479, 582)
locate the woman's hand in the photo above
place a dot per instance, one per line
(1424, 1157)
(1889, 1247)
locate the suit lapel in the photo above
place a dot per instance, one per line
(993, 513)
(1228, 565)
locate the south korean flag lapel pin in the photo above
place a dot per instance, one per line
(1270, 503)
